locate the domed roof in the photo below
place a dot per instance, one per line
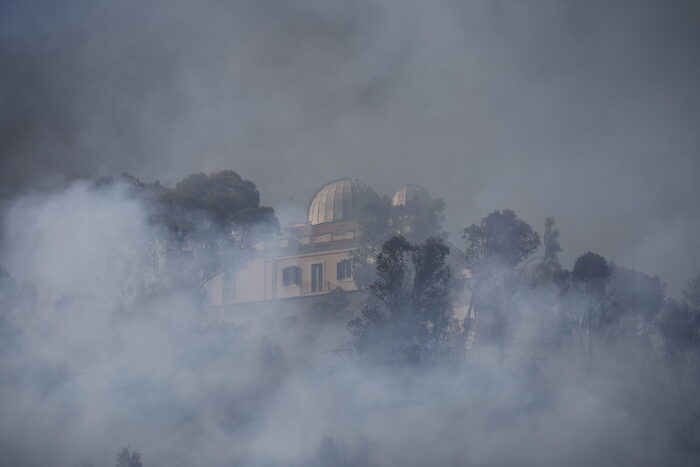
(409, 194)
(340, 200)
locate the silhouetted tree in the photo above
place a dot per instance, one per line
(635, 300)
(408, 314)
(544, 306)
(590, 308)
(501, 239)
(416, 221)
(376, 227)
(127, 458)
(591, 271)
(691, 294)
(205, 225)
(549, 271)
(552, 248)
(133, 187)
(679, 325)
(213, 221)
(419, 219)
(496, 250)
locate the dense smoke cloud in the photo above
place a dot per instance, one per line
(89, 366)
(585, 111)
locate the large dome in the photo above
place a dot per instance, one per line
(340, 200)
(410, 194)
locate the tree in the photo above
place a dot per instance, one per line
(134, 187)
(679, 325)
(691, 294)
(499, 240)
(213, 221)
(127, 458)
(495, 248)
(592, 272)
(548, 283)
(551, 241)
(590, 309)
(549, 271)
(376, 227)
(419, 219)
(679, 322)
(635, 300)
(416, 221)
(408, 316)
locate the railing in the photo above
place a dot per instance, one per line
(308, 289)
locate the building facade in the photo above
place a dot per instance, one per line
(313, 258)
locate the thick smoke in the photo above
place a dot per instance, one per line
(586, 111)
(90, 366)
(582, 110)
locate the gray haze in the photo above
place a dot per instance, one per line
(587, 111)
(90, 366)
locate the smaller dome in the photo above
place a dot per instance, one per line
(410, 194)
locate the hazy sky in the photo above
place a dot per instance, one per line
(588, 111)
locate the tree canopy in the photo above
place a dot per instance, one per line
(500, 239)
(409, 313)
(416, 222)
(221, 202)
(128, 458)
(691, 293)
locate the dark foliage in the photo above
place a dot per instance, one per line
(127, 458)
(549, 271)
(691, 294)
(223, 200)
(135, 188)
(501, 239)
(592, 271)
(494, 249)
(417, 221)
(679, 325)
(376, 227)
(408, 315)
(329, 309)
(205, 225)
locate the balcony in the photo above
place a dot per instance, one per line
(308, 289)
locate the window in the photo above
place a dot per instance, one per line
(291, 276)
(229, 287)
(344, 270)
(317, 277)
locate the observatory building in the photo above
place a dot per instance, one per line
(312, 258)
